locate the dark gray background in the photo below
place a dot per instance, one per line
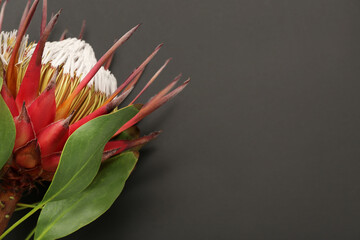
(263, 144)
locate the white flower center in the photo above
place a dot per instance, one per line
(77, 58)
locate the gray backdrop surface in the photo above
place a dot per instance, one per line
(263, 144)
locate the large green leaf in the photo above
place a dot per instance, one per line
(81, 157)
(60, 218)
(7, 131)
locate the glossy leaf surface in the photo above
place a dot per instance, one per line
(7, 131)
(60, 218)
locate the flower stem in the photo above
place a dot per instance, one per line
(8, 201)
(21, 220)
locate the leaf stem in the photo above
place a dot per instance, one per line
(20, 208)
(21, 220)
(27, 205)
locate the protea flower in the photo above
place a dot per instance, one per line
(54, 88)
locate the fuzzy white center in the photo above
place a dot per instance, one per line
(77, 58)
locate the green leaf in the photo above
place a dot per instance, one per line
(7, 131)
(81, 157)
(60, 218)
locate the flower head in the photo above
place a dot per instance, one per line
(53, 88)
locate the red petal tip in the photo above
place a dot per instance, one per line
(154, 103)
(24, 116)
(118, 100)
(159, 46)
(151, 80)
(63, 35)
(115, 147)
(43, 17)
(2, 13)
(82, 30)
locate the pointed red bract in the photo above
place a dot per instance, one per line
(132, 84)
(113, 148)
(154, 103)
(42, 110)
(24, 129)
(29, 88)
(52, 138)
(167, 88)
(123, 144)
